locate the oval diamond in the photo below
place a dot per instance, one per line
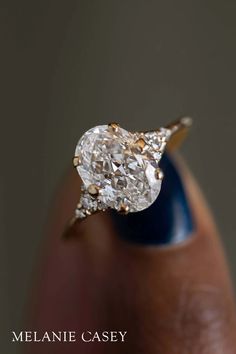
(123, 169)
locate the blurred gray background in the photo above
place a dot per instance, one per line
(70, 65)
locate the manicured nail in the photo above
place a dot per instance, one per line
(167, 221)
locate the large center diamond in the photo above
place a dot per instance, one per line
(126, 174)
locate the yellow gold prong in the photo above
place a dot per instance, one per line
(93, 190)
(124, 209)
(114, 126)
(76, 161)
(140, 143)
(159, 174)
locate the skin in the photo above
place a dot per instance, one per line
(171, 300)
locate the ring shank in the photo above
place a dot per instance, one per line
(179, 129)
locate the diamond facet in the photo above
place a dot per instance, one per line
(124, 171)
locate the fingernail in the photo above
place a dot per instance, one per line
(167, 221)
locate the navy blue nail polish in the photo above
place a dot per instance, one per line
(167, 221)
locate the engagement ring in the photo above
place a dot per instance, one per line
(120, 169)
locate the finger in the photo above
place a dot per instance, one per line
(171, 294)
